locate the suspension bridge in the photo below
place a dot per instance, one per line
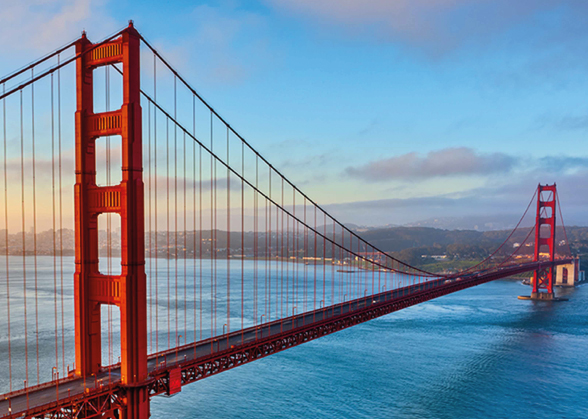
(147, 245)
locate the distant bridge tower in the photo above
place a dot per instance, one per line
(544, 241)
(92, 288)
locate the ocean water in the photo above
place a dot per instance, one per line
(479, 353)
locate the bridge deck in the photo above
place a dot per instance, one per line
(211, 356)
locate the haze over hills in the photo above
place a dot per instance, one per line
(413, 245)
(476, 223)
(467, 223)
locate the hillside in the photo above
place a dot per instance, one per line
(416, 245)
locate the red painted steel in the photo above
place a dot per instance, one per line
(92, 288)
(544, 278)
(175, 381)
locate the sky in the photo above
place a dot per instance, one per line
(382, 111)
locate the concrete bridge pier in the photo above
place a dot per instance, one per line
(568, 275)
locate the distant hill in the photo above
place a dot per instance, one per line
(399, 238)
(498, 222)
(477, 223)
(414, 244)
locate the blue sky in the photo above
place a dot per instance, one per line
(386, 112)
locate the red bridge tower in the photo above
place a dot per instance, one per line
(92, 288)
(544, 241)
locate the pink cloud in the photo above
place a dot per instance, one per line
(434, 25)
(42, 25)
(461, 161)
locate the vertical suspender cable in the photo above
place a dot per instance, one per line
(215, 204)
(24, 261)
(255, 242)
(352, 277)
(266, 234)
(562, 222)
(356, 275)
(304, 284)
(374, 270)
(167, 233)
(156, 179)
(333, 266)
(185, 250)
(324, 259)
(228, 247)
(149, 187)
(341, 258)
(35, 225)
(289, 251)
(295, 226)
(278, 258)
(315, 262)
(228, 240)
(60, 217)
(212, 296)
(149, 174)
(54, 235)
(269, 303)
(287, 263)
(380, 279)
(6, 242)
(175, 214)
(194, 216)
(281, 230)
(243, 245)
(200, 231)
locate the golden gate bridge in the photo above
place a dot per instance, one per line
(153, 204)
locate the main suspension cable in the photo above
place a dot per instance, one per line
(213, 112)
(215, 158)
(472, 268)
(58, 66)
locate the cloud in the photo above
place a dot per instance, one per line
(561, 122)
(410, 210)
(220, 44)
(44, 168)
(42, 25)
(562, 164)
(435, 25)
(191, 184)
(571, 123)
(460, 161)
(504, 201)
(373, 124)
(313, 161)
